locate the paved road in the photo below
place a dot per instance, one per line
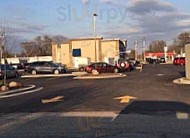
(160, 110)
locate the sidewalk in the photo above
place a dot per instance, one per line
(184, 81)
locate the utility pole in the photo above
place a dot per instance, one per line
(144, 49)
(3, 55)
(1, 47)
(95, 35)
(136, 50)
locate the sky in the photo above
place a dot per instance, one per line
(131, 19)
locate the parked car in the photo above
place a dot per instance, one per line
(153, 61)
(45, 67)
(179, 61)
(102, 68)
(162, 60)
(62, 66)
(134, 62)
(11, 72)
(124, 65)
(18, 66)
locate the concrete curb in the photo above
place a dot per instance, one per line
(183, 81)
(22, 93)
(99, 77)
(21, 89)
(74, 74)
(47, 75)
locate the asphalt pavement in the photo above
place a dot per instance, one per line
(152, 106)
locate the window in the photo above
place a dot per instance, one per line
(76, 52)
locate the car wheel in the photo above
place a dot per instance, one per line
(34, 72)
(56, 72)
(116, 70)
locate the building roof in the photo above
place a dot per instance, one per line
(160, 54)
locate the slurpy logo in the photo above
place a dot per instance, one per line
(110, 14)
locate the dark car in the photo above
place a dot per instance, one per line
(11, 72)
(45, 67)
(153, 61)
(179, 61)
(102, 68)
(162, 60)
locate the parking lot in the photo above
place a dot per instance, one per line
(154, 83)
(140, 94)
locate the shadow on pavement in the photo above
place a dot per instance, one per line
(155, 107)
(130, 122)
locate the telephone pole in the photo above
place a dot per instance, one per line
(144, 49)
(136, 50)
(3, 56)
(1, 47)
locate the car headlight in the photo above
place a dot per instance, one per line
(122, 64)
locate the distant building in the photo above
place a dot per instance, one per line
(170, 55)
(82, 51)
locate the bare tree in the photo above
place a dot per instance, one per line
(59, 39)
(10, 41)
(180, 42)
(157, 46)
(40, 46)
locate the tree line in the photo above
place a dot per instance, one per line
(177, 45)
(41, 45)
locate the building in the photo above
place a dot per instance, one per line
(85, 51)
(187, 49)
(170, 55)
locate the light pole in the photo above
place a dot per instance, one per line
(3, 55)
(144, 49)
(95, 35)
(136, 51)
(1, 48)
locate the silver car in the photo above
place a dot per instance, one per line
(11, 72)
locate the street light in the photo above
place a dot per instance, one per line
(3, 54)
(95, 35)
(94, 22)
(1, 48)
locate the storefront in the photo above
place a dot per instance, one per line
(170, 55)
(84, 51)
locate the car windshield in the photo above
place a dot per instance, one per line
(95, 69)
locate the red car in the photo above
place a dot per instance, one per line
(102, 68)
(124, 65)
(179, 61)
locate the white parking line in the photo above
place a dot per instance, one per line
(18, 94)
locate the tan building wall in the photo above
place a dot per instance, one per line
(106, 50)
(54, 46)
(110, 50)
(187, 50)
(65, 55)
(87, 48)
